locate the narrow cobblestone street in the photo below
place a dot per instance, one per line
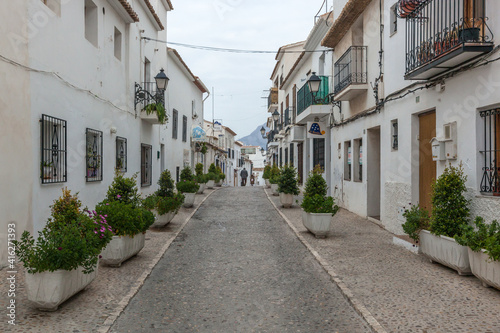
(236, 267)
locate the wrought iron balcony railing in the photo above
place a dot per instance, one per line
(272, 99)
(305, 98)
(436, 28)
(350, 68)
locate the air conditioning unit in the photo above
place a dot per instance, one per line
(298, 133)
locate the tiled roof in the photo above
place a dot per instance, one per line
(152, 10)
(129, 10)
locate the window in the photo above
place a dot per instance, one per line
(347, 160)
(394, 19)
(53, 147)
(281, 157)
(94, 155)
(146, 164)
(184, 128)
(121, 154)
(319, 152)
(177, 174)
(291, 154)
(358, 160)
(54, 5)
(118, 44)
(91, 22)
(232, 154)
(394, 136)
(490, 181)
(174, 124)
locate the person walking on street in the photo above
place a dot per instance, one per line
(252, 179)
(244, 175)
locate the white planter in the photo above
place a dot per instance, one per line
(274, 189)
(202, 188)
(318, 224)
(162, 220)
(188, 199)
(484, 269)
(219, 183)
(210, 184)
(47, 290)
(286, 200)
(445, 251)
(268, 184)
(121, 248)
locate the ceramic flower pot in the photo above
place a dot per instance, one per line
(162, 220)
(47, 290)
(210, 184)
(188, 200)
(122, 248)
(485, 269)
(268, 184)
(219, 183)
(318, 224)
(274, 189)
(201, 189)
(286, 200)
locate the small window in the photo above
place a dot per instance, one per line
(91, 22)
(291, 154)
(394, 19)
(319, 152)
(94, 155)
(358, 160)
(53, 146)
(184, 128)
(121, 154)
(118, 44)
(394, 135)
(347, 160)
(490, 154)
(175, 116)
(146, 164)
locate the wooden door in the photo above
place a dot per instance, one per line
(427, 167)
(300, 166)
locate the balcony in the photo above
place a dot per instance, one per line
(444, 34)
(272, 100)
(309, 106)
(350, 74)
(145, 100)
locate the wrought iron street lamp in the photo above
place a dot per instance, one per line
(263, 131)
(142, 94)
(276, 115)
(313, 83)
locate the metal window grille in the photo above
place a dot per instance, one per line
(490, 182)
(174, 124)
(184, 128)
(53, 150)
(121, 154)
(281, 157)
(319, 152)
(395, 134)
(93, 155)
(291, 154)
(146, 164)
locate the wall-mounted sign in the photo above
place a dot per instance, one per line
(349, 155)
(198, 134)
(316, 129)
(218, 125)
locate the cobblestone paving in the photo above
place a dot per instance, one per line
(88, 310)
(237, 267)
(402, 290)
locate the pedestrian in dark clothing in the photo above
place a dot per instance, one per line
(244, 175)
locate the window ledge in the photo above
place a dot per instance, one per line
(483, 196)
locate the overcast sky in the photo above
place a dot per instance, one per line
(239, 80)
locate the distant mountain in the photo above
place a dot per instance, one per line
(255, 138)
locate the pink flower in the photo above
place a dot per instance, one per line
(59, 248)
(107, 204)
(100, 256)
(118, 196)
(95, 231)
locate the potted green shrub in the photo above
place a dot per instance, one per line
(200, 178)
(221, 176)
(128, 219)
(164, 203)
(483, 244)
(47, 169)
(417, 219)
(63, 259)
(267, 175)
(212, 176)
(287, 185)
(273, 179)
(156, 110)
(450, 212)
(188, 187)
(318, 208)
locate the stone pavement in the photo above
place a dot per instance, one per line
(399, 290)
(236, 267)
(96, 308)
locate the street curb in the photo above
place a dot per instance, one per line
(346, 292)
(106, 326)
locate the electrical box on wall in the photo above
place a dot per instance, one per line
(438, 150)
(450, 139)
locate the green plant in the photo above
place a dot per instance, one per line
(212, 176)
(166, 185)
(222, 176)
(187, 174)
(159, 109)
(204, 148)
(484, 236)
(71, 238)
(212, 168)
(275, 173)
(450, 208)
(124, 189)
(417, 219)
(47, 164)
(187, 186)
(287, 180)
(315, 183)
(315, 199)
(267, 172)
(201, 179)
(164, 205)
(198, 169)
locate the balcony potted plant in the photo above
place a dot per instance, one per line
(200, 178)
(164, 203)
(63, 259)
(450, 211)
(287, 185)
(267, 175)
(273, 179)
(47, 169)
(318, 208)
(407, 7)
(159, 110)
(188, 187)
(128, 219)
(483, 244)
